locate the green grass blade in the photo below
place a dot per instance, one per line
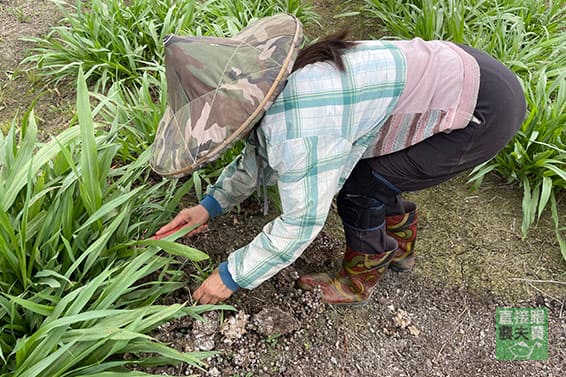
(545, 194)
(527, 206)
(44, 310)
(127, 373)
(90, 179)
(176, 249)
(560, 229)
(108, 207)
(8, 243)
(45, 154)
(194, 358)
(36, 370)
(93, 253)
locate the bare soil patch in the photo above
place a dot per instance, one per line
(438, 320)
(20, 86)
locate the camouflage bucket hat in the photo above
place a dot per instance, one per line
(219, 88)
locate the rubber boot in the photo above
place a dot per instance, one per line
(368, 253)
(403, 228)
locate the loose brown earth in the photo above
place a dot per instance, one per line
(437, 320)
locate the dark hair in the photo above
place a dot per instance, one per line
(330, 49)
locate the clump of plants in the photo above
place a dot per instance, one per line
(114, 40)
(79, 280)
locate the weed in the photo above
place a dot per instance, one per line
(19, 14)
(5, 126)
(202, 272)
(11, 75)
(271, 340)
(122, 40)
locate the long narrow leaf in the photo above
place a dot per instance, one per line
(30, 305)
(127, 373)
(90, 180)
(36, 370)
(545, 194)
(109, 207)
(46, 153)
(95, 250)
(176, 249)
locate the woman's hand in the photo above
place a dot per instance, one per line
(212, 290)
(194, 216)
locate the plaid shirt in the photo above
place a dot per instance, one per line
(308, 142)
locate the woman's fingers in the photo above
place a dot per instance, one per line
(165, 234)
(206, 299)
(162, 233)
(188, 217)
(177, 222)
(212, 290)
(167, 229)
(199, 294)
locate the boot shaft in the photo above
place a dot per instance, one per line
(364, 224)
(403, 228)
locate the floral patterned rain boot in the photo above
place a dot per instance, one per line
(403, 228)
(368, 253)
(354, 283)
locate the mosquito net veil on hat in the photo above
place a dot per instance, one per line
(219, 88)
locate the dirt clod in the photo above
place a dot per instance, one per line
(274, 321)
(204, 331)
(234, 327)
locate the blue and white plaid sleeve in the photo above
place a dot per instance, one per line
(237, 181)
